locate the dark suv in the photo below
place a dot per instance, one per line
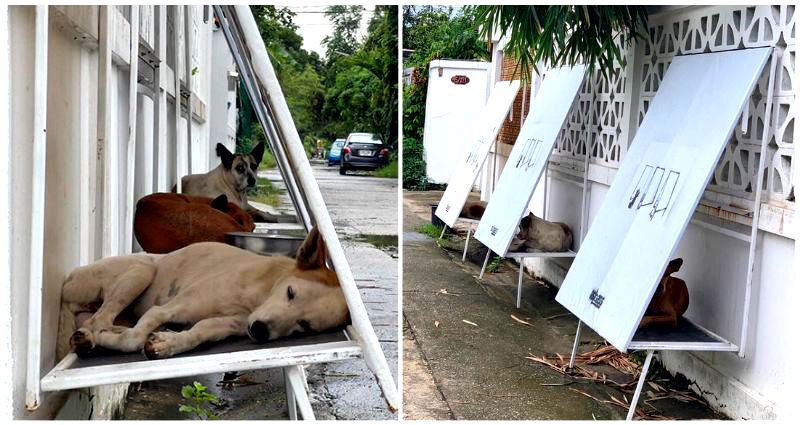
(363, 151)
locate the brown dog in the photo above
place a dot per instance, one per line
(671, 299)
(473, 210)
(216, 290)
(165, 222)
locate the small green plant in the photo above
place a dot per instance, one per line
(495, 264)
(430, 230)
(200, 400)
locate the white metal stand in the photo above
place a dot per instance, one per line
(471, 223)
(695, 337)
(359, 340)
(523, 255)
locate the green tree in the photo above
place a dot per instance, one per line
(563, 34)
(432, 32)
(344, 38)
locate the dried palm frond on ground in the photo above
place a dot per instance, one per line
(603, 355)
(609, 355)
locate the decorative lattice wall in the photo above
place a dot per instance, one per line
(607, 119)
(720, 28)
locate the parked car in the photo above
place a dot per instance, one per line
(363, 151)
(335, 154)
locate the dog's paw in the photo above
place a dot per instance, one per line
(159, 345)
(82, 342)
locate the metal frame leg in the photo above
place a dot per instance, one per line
(575, 346)
(296, 393)
(443, 230)
(638, 392)
(485, 261)
(466, 244)
(519, 282)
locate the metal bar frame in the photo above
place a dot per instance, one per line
(240, 19)
(36, 269)
(130, 170)
(187, 51)
(757, 207)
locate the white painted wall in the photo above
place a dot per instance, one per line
(450, 110)
(761, 384)
(74, 202)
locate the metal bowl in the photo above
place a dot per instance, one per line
(265, 243)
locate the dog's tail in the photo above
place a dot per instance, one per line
(66, 327)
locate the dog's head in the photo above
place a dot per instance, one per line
(241, 169)
(308, 299)
(239, 215)
(522, 232)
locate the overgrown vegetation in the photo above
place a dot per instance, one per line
(200, 401)
(265, 192)
(431, 32)
(388, 171)
(352, 89)
(431, 230)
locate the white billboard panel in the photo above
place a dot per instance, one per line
(529, 157)
(657, 189)
(471, 160)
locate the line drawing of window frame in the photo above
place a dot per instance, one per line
(660, 194)
(472, 158)
(529, 154)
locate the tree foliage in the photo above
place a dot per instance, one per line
(563, 34)
(352, 89)
(431, 32)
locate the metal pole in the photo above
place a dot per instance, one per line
(130, 177)
(466, 244)
(265, 75)
(291, 403)
(176, 42)
(264, 116)
(485, 261)
(294, 375)
(575, 346)
(638, 392)
(519, 281)
(36, 265)
(443, 230)
(757, 208)
(187, 50)
(104, 136)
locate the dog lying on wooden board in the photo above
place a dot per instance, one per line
(215, 290)
(165, 222)
(671, 299)
(232, 177)
(534, 233)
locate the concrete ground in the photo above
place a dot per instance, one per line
(364, 212)
(478, 370)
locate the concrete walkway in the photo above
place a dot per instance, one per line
(479, 370)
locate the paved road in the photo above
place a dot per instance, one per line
(364, 212)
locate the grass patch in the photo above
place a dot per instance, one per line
(430, 230)
(388, 171)
(265, 192)
(267, 162)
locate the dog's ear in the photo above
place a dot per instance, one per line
(225, 155)
(220, 203)
(258, 152)
(525, 222)
(674, 265)
(312, 254)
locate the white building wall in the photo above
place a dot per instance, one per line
(757, 386)
(74, 201)
(450, 111)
